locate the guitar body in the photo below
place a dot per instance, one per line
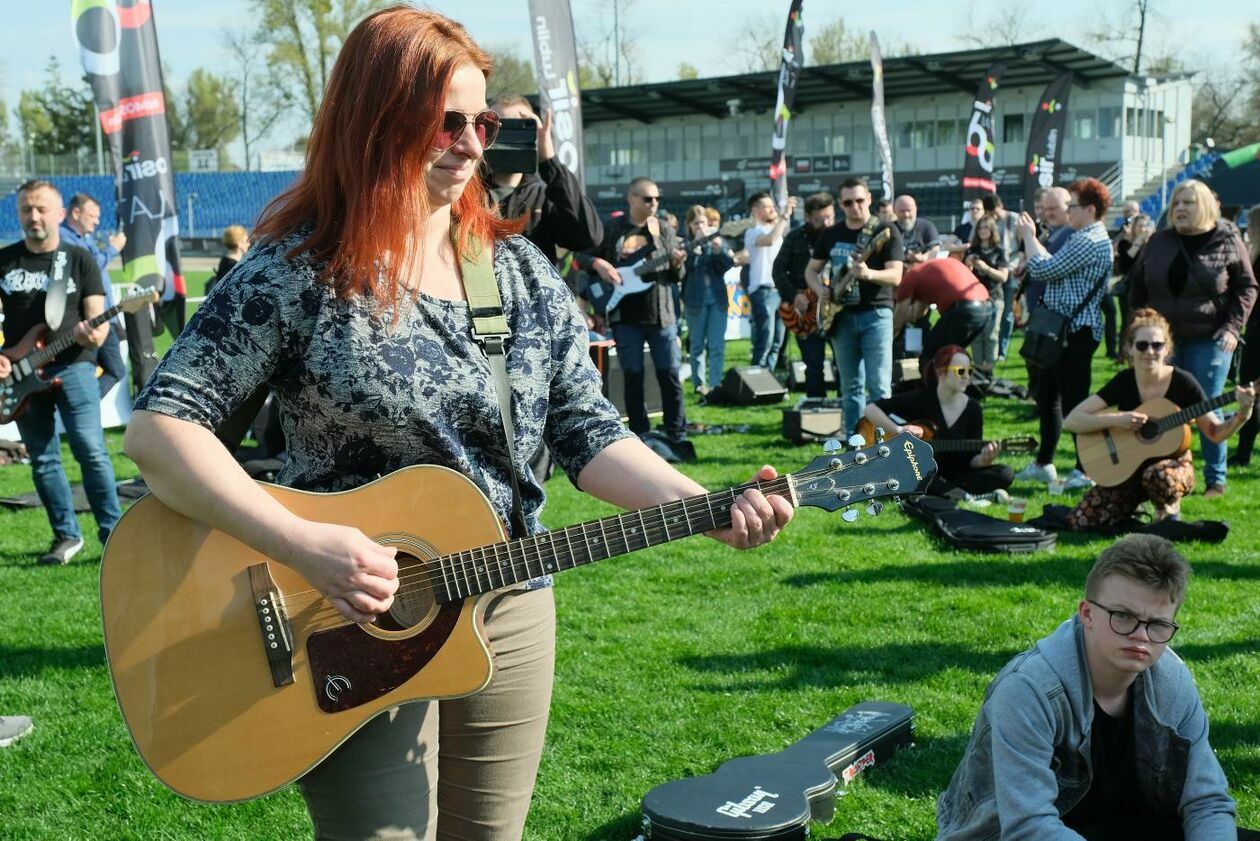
(798, 323)
(186, 651)
(1111, 456)
(24, 382)
(631, 284)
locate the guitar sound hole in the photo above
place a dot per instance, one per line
(414, 603)
(1149, 431)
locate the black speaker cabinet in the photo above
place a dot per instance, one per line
(813, 419)
(604, 355)
(751, 385)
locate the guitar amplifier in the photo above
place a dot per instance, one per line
(604, 355)
(906, 370)
(814, 419)
(777, 795)
(750, 385)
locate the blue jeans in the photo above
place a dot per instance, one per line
(767, 327)
(707, 327)
(78, 400)
(862, 342)
(667, 359)
(1209, 363)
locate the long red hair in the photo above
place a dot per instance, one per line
(362, 189)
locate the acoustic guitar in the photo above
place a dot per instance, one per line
(1018, 444)
(235, 676)
(31, 355)
(820, 315)
(1111, 456)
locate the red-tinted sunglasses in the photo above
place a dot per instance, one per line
(485, 124)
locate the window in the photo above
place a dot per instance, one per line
(1109, 122)
(691, 144)
(905, 132)
(923, 134)
(1013, 128)
(1084, 126)
(947, 133)
(863, 136)
(1131, 117)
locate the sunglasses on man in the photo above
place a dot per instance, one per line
(485, 125)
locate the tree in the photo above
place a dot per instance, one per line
(57, 119)
(1001, 26)
(262, 101)
(511, 74)
(211, 111)
(687, 70)
(835, 44)
(612, 58)
(303, 38)
(756, 44)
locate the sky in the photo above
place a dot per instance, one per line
(700, 32)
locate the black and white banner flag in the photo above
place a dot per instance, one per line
(556, 68)
(978, 151)
(877, 119)
(1045, 138)
(789, 72)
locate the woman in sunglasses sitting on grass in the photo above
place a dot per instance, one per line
(1147, 345)
(943, 403)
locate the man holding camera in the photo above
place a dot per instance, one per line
(560, 215)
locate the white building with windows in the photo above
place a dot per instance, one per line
(708, 140)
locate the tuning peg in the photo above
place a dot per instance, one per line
(856, 441)
(831, 445)
(849, 515)
(874, 508)
(879, 435)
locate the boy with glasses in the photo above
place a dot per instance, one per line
(1097, 732)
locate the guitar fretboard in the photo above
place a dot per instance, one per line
(49, 352)
(1189, 413)
(506, 564)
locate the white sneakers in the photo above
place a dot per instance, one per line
(1035, 472)
(1077, 479)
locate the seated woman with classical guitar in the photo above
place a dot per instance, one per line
(1148, 346)
(943, 413)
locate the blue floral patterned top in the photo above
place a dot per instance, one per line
(359, 398)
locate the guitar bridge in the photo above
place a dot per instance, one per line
(273, 624)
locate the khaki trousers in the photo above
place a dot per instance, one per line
(460, 769)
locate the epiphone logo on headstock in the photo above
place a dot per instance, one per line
(754, 802)
(914, 462)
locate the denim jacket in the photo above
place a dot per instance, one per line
(1033, 735)
(709, 267)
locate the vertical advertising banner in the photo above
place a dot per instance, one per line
(556, 69)
(877, 119)
(789, 72)
(118, 46)
(978, 152)
(1045, 138)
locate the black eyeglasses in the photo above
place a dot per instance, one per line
(1125, 623)
(650, 199)
(1143, 346)
(485, 124)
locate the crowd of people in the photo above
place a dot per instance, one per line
(376, 255)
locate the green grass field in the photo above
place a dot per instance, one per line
(670, 661)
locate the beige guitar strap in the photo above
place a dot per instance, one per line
(490, 330)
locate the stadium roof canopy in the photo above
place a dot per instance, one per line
(1034, 63)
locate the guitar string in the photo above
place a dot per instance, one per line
(434, 577)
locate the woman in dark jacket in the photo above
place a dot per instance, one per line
(1196, 274)
(1249, 365)
(704, 297)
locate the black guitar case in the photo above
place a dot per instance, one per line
(777, 795)
(973, 530)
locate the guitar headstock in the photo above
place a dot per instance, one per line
(901, 466)
(138, 300)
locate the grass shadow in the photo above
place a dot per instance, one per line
(1050, 570)
(24, 662)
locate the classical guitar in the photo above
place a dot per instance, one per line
(235, 676)
(606, 300)
(831, 305)
(1017, 444)
(32, 353)
(1111, 456)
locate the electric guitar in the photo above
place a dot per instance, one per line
(235, 676)
(31, 355)
(632, 282)
(1111, 456)
(1018, 444)
(828, 309)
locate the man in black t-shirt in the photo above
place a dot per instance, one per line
(862, 336)
(646, 316)
(28, 269)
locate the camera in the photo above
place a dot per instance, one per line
(516, 149)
